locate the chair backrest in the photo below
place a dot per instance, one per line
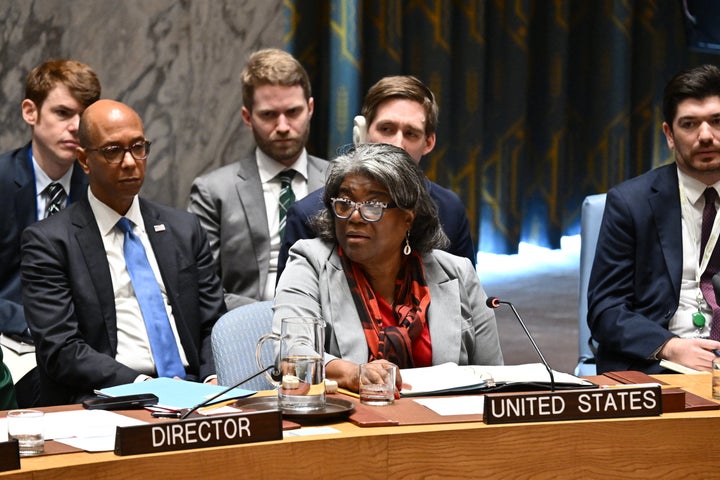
(591, 217)
(234, 338)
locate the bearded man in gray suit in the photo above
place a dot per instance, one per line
(242, 205)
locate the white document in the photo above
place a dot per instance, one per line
(90, 430)
(446, 406)
(529, 373)
(676, 367)
(450, 377)
(447, 377)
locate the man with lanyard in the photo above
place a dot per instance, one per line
(650, 295)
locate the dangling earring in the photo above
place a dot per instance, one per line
(407, 248)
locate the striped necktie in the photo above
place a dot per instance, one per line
(56, 199)
(287, 197)
(147, 291)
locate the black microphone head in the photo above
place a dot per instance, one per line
(716, 285)
(492, 302)
(275, 374)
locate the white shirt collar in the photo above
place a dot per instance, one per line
(694, 188)
(42, 180)
(106, 217)
(269, 168)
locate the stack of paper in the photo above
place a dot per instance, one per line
(174, 394)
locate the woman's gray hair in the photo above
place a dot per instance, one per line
(393, 168)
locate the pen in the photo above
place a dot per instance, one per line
(165, 414)
(639, 385)
(716, 352)
(348, 392)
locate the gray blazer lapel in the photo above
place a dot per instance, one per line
(93, 251)
(351, 343)
(444, 312)
(252, 200)
(316, 173)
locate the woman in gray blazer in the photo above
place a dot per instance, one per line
(376, 278)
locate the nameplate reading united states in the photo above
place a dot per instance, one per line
(573, 405)
(199, 432)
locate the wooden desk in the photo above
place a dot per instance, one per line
(676, 445)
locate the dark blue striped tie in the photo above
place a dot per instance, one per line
(56, 198)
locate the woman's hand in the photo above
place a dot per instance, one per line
(381, 373)
(344, 372)
(347, 374)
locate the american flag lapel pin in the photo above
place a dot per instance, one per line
(160, 228)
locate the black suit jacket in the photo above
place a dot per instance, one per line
(70, 305)
(451, 212)
(634, 287)
(18, 210)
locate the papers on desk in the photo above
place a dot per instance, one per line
(17, 343)
(676, 367)
(90, 430)
(444, 378)
(449, 378)
(447, 406)
(174, 394)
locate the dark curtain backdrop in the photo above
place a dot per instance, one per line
(541, 102)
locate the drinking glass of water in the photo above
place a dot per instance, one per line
(26, 426)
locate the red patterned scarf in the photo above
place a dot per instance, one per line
(412, 298)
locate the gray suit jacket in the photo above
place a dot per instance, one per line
(462, 327)
(230, 204)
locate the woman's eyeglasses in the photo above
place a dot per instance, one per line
(371, 211)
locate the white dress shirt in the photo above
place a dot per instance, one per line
(133, 344)
(692, 206)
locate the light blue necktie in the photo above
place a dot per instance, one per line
(152, 306)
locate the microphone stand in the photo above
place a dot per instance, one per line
(210, 400)
(494, 302)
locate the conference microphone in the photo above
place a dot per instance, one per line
(494, 302)
(275, 374)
